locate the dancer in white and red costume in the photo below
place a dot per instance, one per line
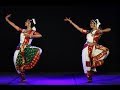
(25, 56)
(93, 54)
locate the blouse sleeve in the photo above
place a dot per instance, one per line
(21, 30)
(99, 32)
(84, 31)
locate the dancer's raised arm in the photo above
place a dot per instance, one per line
(12, 24)
(75, 25)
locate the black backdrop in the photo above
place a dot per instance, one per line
(61, 43)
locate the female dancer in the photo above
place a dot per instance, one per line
(93, 54)
(26, 56)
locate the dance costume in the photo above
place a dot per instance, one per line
(93, 54)
(31, 54)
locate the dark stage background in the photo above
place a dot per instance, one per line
(61, 42)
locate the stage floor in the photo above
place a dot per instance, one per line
(59, 79)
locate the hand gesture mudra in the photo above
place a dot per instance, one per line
(67, 19)
(8, 16)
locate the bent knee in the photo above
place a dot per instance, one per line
(40, 50)
(104, 48)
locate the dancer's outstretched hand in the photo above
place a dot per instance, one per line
(9, 15)
(67, 19)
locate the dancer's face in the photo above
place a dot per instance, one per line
(27, 23)
(92, 24)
